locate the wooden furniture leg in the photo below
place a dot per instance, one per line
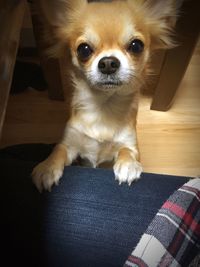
(176, 60)
(52, 68)
(11, 18)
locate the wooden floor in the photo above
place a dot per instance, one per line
(169, 142)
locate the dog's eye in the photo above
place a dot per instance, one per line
(84, 51)
(136, 46)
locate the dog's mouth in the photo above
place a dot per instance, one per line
(106, 82)
(110, 84)
(105, 86)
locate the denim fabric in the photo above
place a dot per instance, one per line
(86, 221)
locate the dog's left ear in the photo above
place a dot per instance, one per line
(161, 18)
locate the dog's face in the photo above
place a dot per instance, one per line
(110, 49)
(111, 42)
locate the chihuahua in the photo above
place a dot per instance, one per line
(110, 43)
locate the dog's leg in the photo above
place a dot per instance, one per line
(49, 171)
(127, 168)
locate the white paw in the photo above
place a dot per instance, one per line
(127, 171)
(46, 174)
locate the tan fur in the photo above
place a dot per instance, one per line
(52, 167)
(102, 126)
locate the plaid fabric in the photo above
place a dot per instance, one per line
(173, 237)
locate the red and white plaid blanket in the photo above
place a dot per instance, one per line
(173, 237)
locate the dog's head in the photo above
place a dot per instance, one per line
(110, 42)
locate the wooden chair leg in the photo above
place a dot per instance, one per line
(52, 68)
(11, 18)
(176, 60)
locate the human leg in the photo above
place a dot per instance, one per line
(88, 220)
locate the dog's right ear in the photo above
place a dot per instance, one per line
(56, 12)
(60, 16)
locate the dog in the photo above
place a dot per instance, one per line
(110, 43)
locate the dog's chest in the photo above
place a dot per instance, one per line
(101, 126)
(97, 126)
(96, 138)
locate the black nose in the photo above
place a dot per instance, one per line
(109, 65)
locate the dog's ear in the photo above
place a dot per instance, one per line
(56, 12)
(162, 16)
(59, 17)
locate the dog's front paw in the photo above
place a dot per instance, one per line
(127, 171)
(46, 174)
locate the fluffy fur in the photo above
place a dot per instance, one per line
(102, 126)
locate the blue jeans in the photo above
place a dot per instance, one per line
(86, 221)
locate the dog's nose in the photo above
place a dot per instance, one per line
(109, 65)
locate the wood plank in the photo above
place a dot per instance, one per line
(52, 68)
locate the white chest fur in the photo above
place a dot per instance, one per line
(98, 126)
